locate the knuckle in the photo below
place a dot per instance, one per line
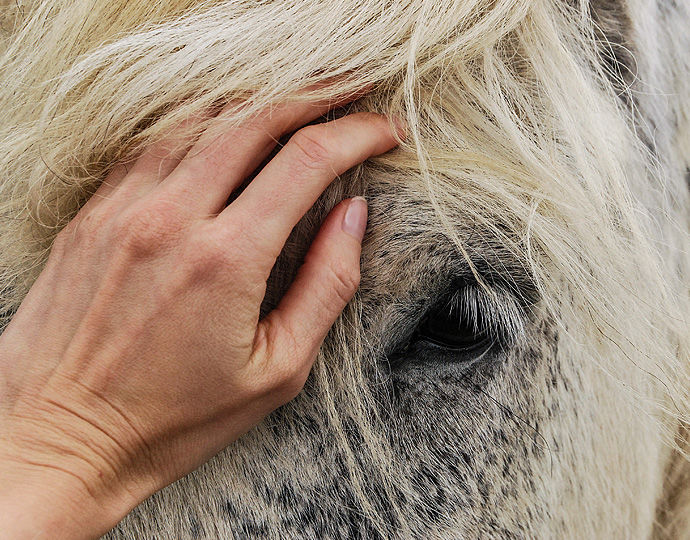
(62, 240)
(344, 280)
(81, 230)
(284, 372)
(290, 381)
(68, 233)
(207, 253)
(145, 229)
(311, 147)
(291, 387)
(368, 117)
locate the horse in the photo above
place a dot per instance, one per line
(515, 362)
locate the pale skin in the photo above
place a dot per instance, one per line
(139, 352)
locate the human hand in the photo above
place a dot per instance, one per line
(139, 354)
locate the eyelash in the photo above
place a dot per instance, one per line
(472, 319)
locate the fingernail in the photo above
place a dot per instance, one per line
(355, 220)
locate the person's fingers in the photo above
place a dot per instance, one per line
(128, 181)
(324, 285)
(105, 190)
(156, 162)
(273, 203)
(219, 162)
(109, 185)
(160, 159)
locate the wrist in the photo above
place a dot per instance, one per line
(50, 501)
(58, 479)
(44, 504)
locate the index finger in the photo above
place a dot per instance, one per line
(218, 163)
(290, 183)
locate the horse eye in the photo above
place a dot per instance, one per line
(450, 328)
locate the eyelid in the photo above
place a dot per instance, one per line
(502, 316)
(497, 313)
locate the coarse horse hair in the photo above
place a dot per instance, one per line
(539, 130)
